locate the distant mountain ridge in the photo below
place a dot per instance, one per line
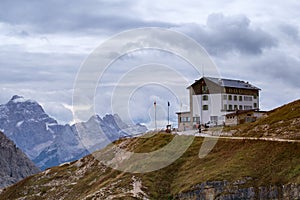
(48, 143)
(14, 164)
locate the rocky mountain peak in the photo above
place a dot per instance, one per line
(25, 107)
(25, 122)
(16, 97)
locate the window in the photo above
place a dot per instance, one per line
(204, 97)
(205, 107)
(255, 97)
(235, 98)
(255, 105)
(240, 107)
(249, 119)
(224, 97)
(196, 119)
(225, 106)
(214, 118)
(247, 107)
(204, 88)
(229, 97)
(240, 98)
(247, 98)
(235, 107)
(185, 119)
(230, 107)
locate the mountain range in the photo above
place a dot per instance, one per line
(48, 143)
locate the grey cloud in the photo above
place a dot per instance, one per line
(279, 66)
(272, 69)
(20, 33)
(19, 67)
(223, 34)
(290, 31)
(73, 16)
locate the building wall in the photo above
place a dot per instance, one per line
(184, 121)
(208, 107)
(240, 102)
(213, 107)
(249, 116)
(259, 114)
(231, 121)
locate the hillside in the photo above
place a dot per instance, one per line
(233, 169)
(14, 164)
(282, 122)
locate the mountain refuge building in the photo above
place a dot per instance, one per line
(211, 99)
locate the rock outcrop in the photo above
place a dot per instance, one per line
(14, 164)
(224, 190)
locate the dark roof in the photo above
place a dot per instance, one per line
(230, 83)
(184, 112)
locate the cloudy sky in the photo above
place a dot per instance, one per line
(43, 44)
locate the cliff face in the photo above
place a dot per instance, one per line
(224, 190)
(14, 164)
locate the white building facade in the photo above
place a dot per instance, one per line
(212, 98)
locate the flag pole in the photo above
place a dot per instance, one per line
(168, 113)
(155, 115)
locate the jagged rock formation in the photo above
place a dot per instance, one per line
(48, 143)
(14, 164)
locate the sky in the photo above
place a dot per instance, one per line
(44, 44)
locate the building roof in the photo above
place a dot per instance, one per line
(238, 112)
(230, 83)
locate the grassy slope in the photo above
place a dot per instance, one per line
(229, 160)
(282, 122)
(266, 162)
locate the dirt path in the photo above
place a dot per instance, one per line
(218, 135)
